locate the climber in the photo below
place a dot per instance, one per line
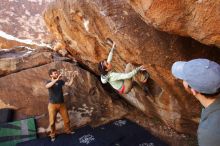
(201, 78)
(56, 100)
(122, 82)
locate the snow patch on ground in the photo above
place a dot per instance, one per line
(30, 23)
(26, 41)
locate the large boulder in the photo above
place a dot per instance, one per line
(6, 43)
(85, 25)
(198, 19)
(20, 58)
(85, 99)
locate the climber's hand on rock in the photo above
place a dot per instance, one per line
(113, 45)
(142, 68)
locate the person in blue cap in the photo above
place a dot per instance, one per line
(201, 78)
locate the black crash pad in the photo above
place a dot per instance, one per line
(6, 115)
(117, 133)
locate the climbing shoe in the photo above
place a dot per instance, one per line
(144, 76)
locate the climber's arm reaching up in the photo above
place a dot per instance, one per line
(111, 53)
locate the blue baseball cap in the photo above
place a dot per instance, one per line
(202, 75)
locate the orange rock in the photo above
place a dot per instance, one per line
(139, 43)
(86, 100)
(198, 19)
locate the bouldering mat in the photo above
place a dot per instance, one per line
(121, 132)
(17, 131)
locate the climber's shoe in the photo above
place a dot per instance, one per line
(144, 76)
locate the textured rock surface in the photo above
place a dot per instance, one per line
(199, 19)
(85, 25)
(20, 58)
(25, 92)
(5, 43)
(23, 20)
(85, 99)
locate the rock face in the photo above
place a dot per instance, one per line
(85, 99)
(198, 19)
(23, 20)
(21, 58)
(5, 43)
(85, 25)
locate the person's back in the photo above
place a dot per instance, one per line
(201, 78)
(209, 126)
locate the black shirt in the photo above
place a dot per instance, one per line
(56, 92)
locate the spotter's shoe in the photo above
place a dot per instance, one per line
(52, 139)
